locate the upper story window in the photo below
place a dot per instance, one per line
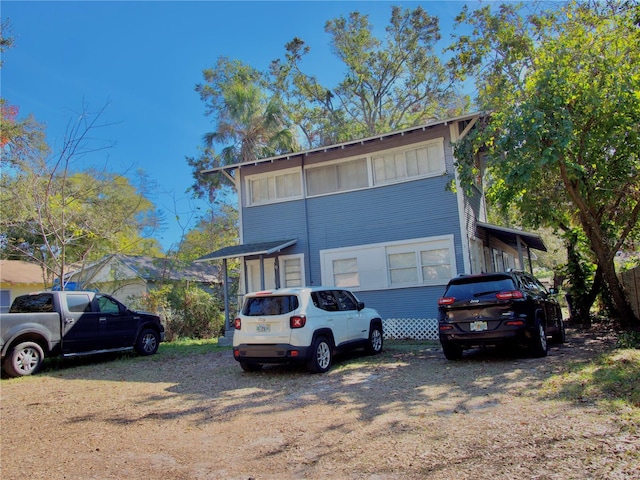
(337, 177)
(274, 187)
(380, 168)
(401, 165)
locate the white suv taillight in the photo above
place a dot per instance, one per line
(297, 321)
(237, 323)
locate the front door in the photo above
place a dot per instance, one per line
(116, 327)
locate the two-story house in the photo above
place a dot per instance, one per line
(374, 215)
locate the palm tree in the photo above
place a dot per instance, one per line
(251, 125)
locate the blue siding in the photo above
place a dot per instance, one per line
(414, 209)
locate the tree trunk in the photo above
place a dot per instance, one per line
(623, 311)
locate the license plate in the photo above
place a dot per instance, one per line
(477, 326)
(263, 328)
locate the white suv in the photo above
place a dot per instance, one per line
(303, 325)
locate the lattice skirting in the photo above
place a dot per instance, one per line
(410, 328)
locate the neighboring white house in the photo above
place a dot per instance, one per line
(375, 215)
(127, 276)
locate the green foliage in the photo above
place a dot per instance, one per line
(187, 311)
(249, 123)
(630, 339)
(388, 84)
(562, 141)
(55, 215)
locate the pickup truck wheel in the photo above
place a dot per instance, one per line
(320, 356)
(24, 359)
(374, 345)
(148, 342)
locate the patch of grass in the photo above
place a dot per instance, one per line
(190, 346)
(612, 380)
(410, 345)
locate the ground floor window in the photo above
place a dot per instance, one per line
(289, 272)
(407, 263)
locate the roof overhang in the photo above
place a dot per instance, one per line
(248, 250)
(510, 236)
(339, 146)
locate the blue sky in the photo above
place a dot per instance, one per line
(144, 59)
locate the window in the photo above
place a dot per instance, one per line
(435, 264)
(345, 272)
(292, 271)
(345, 300)
(79, 303)
(107, 305)
(271, 305)
(337, 177)
(5, 300)
(419, 264)
(325, 300)
(396, 166)
(409, 263)
(42, 302)
(285, 185)
(403, 268)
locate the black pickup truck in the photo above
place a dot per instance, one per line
(68, 323)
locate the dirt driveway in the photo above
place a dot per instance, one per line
(405, 414)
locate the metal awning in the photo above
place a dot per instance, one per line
(248, 250)
(510, 236)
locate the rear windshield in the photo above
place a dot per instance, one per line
(42, 302)
(275, 305)
(479, 287)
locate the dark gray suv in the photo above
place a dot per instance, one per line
(497, 308)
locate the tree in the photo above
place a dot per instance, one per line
(249, 124)
(388, 85)
(218, 229)
(563, 136)
(55, 216)
(19, 138)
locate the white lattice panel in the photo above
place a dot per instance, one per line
(413, 328)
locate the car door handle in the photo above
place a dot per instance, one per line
(68, 321)
(102, 319)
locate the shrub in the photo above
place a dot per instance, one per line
(186, 311)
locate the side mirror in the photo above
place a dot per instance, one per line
(360, 305)
(553, 291)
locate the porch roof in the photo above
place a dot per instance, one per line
(248, 250)
(510, 236)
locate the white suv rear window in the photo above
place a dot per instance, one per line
(272, 305)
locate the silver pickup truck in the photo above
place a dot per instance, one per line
(67, 323)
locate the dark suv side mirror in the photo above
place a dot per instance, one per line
(553, 291)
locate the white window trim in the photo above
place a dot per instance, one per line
(277, 173)
(373, 265)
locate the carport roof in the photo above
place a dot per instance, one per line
(248, 250)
